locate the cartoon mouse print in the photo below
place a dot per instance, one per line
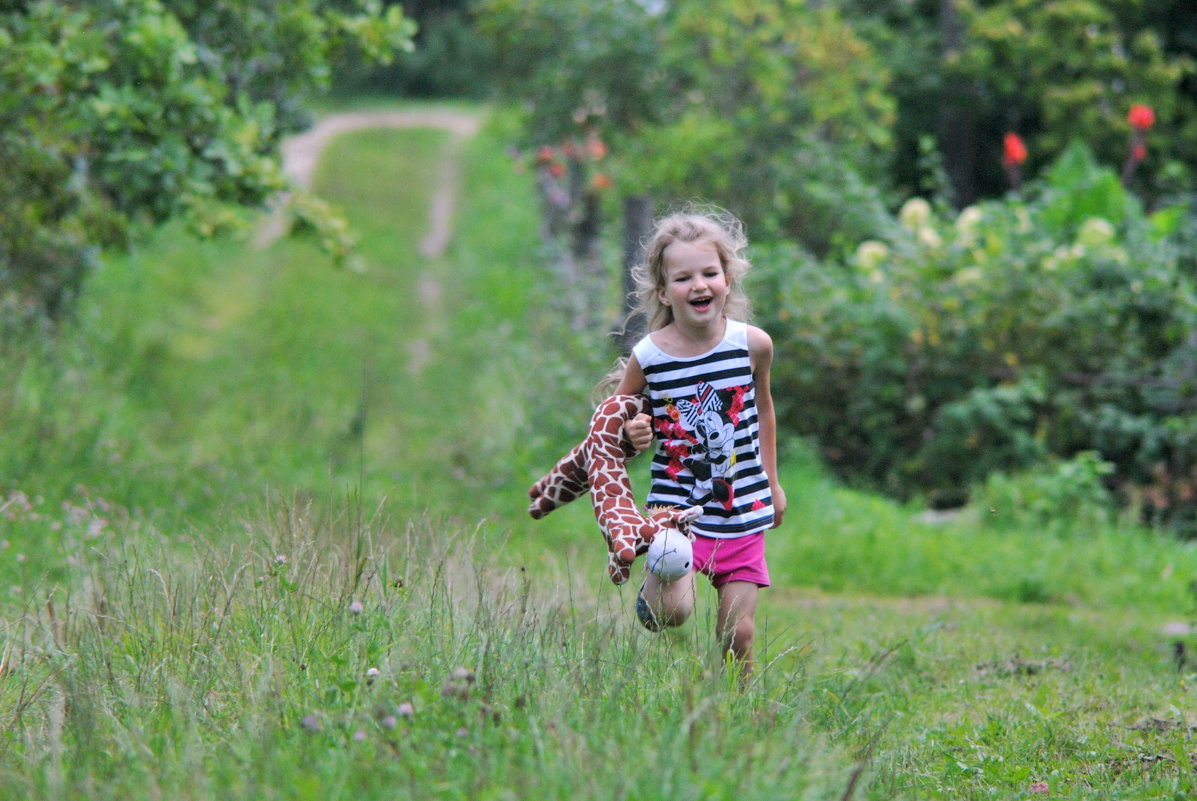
(711, 456)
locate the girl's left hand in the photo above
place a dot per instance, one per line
(639, 431)
(779, 505)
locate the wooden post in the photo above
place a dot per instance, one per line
(957, 129)
(637, 225)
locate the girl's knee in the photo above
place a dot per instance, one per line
(739, 636)
(661, 605)
(744, 633)
(676, 613)
(673, 610)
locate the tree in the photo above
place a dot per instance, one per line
(778, 110)
(583, 73)
(968, 71)
(120, 114)
(450, 57)
(772, 108)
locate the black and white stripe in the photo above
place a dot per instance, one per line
(671, 380)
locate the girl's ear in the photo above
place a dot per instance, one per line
(662, 297)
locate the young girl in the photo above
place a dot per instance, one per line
(707, 373)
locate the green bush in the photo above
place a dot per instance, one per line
(1018, 330)
(1058, 497)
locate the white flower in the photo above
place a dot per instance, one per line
(871, 254)
(967, 223)
(915, 213)
(1095, 233)
(929, 238)
(356, 608)
(970, 275)
(969, 218)
(371, 672)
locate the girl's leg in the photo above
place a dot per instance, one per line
(737, 621)
(670, 602)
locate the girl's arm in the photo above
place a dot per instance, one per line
(633, 381)
(638, 430)
(760, 354)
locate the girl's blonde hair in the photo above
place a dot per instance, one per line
(716, 226)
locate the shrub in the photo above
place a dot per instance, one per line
(1017, 330)
(1058, 496)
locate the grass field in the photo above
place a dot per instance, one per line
(262, 535)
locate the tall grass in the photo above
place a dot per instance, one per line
(336, 655)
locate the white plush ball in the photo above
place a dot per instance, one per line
(670, 555)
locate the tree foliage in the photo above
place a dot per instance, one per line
(967, 71)
(792, 114)
(450, 57)
(771, 108)
(117, 114)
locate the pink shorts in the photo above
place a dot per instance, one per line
(733, 559)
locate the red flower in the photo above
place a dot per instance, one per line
(1141, 116)
(544, 154)
(1014, 152)
(556, 169)
(602, 181)
(1139, 152)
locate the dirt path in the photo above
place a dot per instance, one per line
(301, 153)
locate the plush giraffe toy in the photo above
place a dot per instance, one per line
(599, 463)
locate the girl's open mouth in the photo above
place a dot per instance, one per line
(701, 303)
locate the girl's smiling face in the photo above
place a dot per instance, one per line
(695, 283)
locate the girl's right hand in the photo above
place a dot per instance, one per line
(639, 431)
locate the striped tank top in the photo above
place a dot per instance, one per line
(705, 422)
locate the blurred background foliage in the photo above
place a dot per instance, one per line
(974, 260)
(950, 305)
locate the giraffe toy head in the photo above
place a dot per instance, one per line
(622, 550)
(599, 464)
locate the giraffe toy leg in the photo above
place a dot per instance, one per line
(564, 483)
